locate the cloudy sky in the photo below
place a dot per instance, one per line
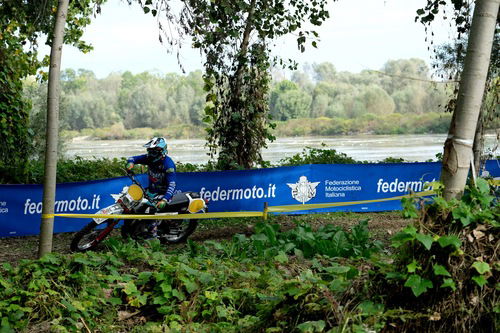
(360, 34)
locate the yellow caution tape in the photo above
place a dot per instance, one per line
(158, 217)
(291, 208)
(270, 209)
(494, 182)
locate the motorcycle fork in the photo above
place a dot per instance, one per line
(106, 230)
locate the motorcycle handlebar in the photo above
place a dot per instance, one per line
(131, 174)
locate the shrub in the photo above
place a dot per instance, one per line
(317, 156)
(447, 264)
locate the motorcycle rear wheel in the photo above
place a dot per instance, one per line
(91, 235)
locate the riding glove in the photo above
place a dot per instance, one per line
(161, 204)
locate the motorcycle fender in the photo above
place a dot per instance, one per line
(110, 210)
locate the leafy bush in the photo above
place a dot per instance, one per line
(302, 241)
(317, 156)
(77, 169)
(135, 288)
(448, 263)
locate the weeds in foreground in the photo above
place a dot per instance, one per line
(300, 280)
(447, 264)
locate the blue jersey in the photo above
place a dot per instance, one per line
(161, 174)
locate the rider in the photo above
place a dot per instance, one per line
(161, 170)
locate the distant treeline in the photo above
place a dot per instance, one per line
(318, 100)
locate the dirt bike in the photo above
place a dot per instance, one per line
(134, 199)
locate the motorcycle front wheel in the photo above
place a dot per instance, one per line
(91, 235)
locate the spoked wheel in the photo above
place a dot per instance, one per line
(176, 231)
(91, 235)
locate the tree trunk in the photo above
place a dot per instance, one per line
(239, 153)
(49, 181)
(478, 146)
(458, 146)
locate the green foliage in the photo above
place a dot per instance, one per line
(317, 156)
(302, 241)
(201, 288)
(21, 25)
(77, 169)
(448, 257)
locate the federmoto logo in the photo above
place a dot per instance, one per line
(303, 190)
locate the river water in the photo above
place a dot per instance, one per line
(416, 148)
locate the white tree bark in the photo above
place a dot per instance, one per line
(49, 181)
(458, 146)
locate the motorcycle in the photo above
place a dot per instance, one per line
(134, 199)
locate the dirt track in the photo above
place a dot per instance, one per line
(382, 226)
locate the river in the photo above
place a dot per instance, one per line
(416, 148)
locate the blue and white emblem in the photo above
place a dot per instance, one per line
(303, 190)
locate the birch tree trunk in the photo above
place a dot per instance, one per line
(478, 147)
(49, 181)
(458, 146)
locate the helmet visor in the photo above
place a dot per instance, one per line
(155, 153)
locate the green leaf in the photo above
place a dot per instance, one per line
(406, 235)
(281, 257)
(166, 287)
(449, 283)
(440, 270)
(453, 240)
(426, 240)
(413, 266)
(143, 277)
(463, 213)
(160, 300)
(418, 284)
(480, 280)
(481, 267)
(370, 308)
(179, 294)
(338, 269)
(115, 301)
(298, 253)
(211, 295)
(130, 288)
(483, 186)
(409, 208)
(189, 284)
(312, 326)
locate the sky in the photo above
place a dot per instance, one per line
(359, 35)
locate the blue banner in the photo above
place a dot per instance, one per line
(247, 190)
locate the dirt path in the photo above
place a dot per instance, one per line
(381, 225)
